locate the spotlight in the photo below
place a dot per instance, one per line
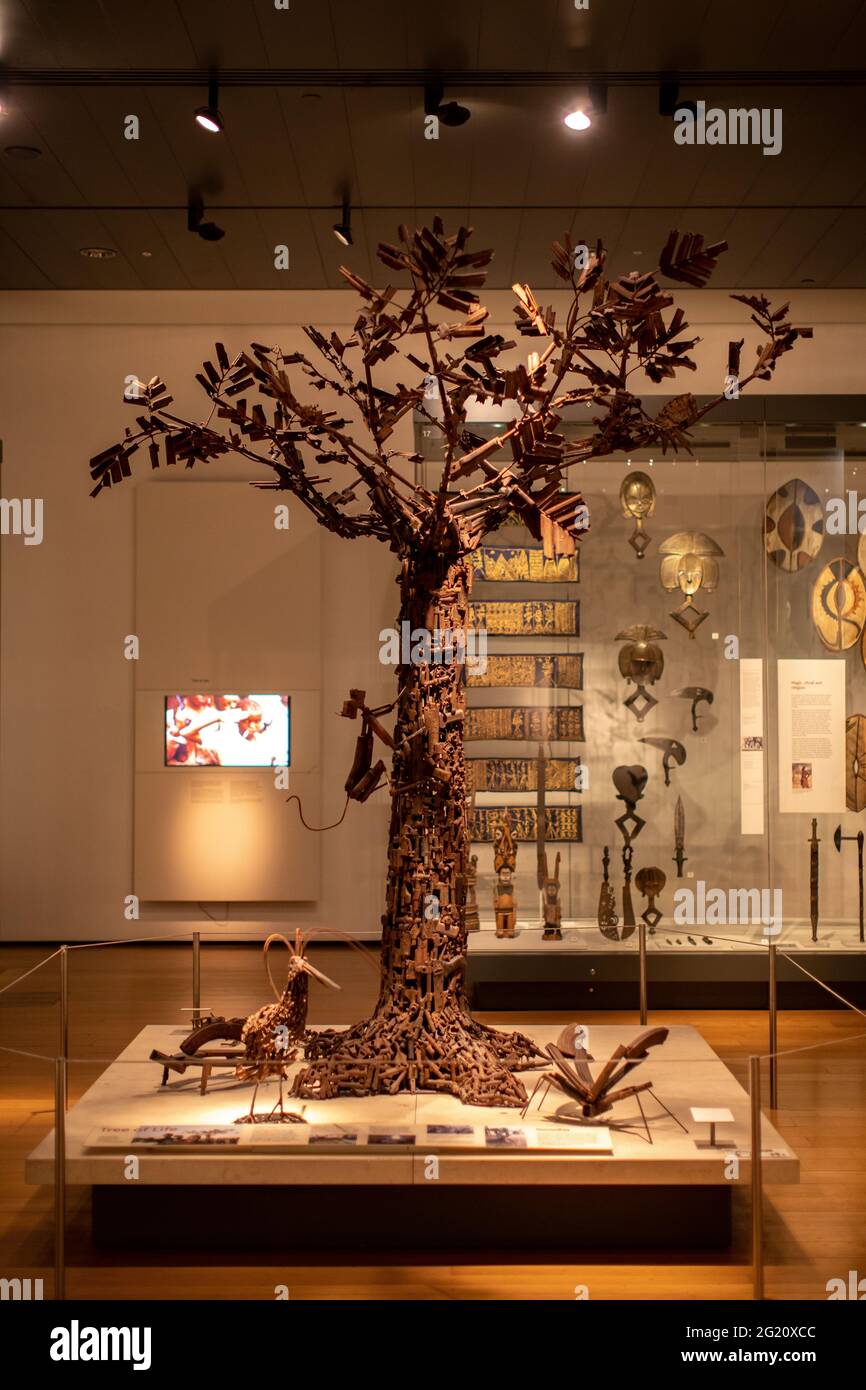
(578, 120)
(209, 117)
(208, 231)
(343, 230)
(449, 113)
(97, 253)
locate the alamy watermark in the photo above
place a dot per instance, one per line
(854, 1287)
(22, 516)
(737, 126)
(714, 907)
(77, 1343)
(421, 646)
(21, 1290)
(846, 516)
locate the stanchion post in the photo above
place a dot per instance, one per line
(196, 979)
(641, 927)
(757, 1180)
(60, 1087)
(774, 1030)
(64, 1003)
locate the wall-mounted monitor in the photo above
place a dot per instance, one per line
(227, 730)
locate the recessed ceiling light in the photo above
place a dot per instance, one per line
(808, 281)
(147, 254)
(578, 120)
(97, 253)
(23, 151)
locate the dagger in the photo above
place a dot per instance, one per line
(680, 856)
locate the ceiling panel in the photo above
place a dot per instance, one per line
(375, 34)
(384, 134)
(290, 153)
(513, 34)
(20, 270)
(53, 240)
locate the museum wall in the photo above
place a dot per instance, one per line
(67, 718)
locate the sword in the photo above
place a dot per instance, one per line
(814, 842)
(680, 856)
(541, 872)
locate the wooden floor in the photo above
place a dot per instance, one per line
(814, 1231)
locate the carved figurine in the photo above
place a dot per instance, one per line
(504, 861)
(473, 922)
(548, 884)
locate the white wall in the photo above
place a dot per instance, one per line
(67, 711)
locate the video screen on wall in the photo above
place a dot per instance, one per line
(209, 730)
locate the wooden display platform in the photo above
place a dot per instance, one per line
(671, 1192)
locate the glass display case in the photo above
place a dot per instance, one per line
(691, 683)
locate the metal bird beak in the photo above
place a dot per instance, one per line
(837, 838)
(325, 979)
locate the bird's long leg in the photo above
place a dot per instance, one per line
(539, 1082)
(253, 1103)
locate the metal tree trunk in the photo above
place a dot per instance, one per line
(421, 1035)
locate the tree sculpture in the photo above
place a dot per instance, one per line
(421, 1034)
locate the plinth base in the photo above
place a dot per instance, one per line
(400, 1218)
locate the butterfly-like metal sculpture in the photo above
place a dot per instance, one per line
(594, 1096)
